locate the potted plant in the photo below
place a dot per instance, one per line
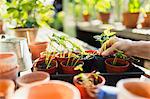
(46, 63)
(71, 66)
(36, 48)
(102, 38)
(88, 9)
(87, 83)
(26, 16)
(118, 64)
(104, 7)
(146, 12)
(130, 17)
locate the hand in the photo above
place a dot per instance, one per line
(115, 43)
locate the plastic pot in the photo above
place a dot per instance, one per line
(123, 65)
(34, 77)
(50, 90)
(7, 88)
(41, 66)
(133, 88)
(67, 69)
(130, 19)
(104, 17)
(36, 48)
(82, 89)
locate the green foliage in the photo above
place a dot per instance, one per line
(134, 6)
(119, 54)
(88, 79)
(106, 35)
(64, 41)
(57, 22)
(28, 13)
(103, 6)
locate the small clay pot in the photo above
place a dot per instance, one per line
(29, 33)
(36, 48)
(146, 22)
(130, 19)
(53, 89)
(133, 88)
(11, 74)
(104, 17)
(86, 17)
(124, 65)
(1, 27)
(8, 65)
(70, 69)
(82, 89)
(7, 88)
(50, 70)
(34, 77)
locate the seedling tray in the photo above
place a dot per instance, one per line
(111, 78)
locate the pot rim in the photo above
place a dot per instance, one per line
(25, 29)
(11, 70)
(56, 65)
(64, 61)
(63, 83)
(38, 43)
(126, 63)
(120, 84)
(131, 13)
(22, 83)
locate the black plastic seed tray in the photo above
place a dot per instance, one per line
(111, 78)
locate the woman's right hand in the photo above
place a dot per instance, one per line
(115, 43)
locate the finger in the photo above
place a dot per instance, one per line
(110, 50)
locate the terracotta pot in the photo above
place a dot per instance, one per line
(36, 48)
(82, 89)
(51, 70)
(34, 77)
(29, 33)
(104, 17)
(133, 89)
(146, 22)
(116, 69)
(86, 17)
(1, 27)
(8, 66)
(50, 90)
(7, 88)
(70, 69)
(130, 19)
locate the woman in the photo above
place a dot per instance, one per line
(131, 48)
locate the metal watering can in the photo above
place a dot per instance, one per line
(20, 47)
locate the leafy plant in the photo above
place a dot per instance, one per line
(134, 6)
(48, 57)
(89, 79)
(106, 35)
(28, 13)
(103, 6)
(119, 54)
(65, 42)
